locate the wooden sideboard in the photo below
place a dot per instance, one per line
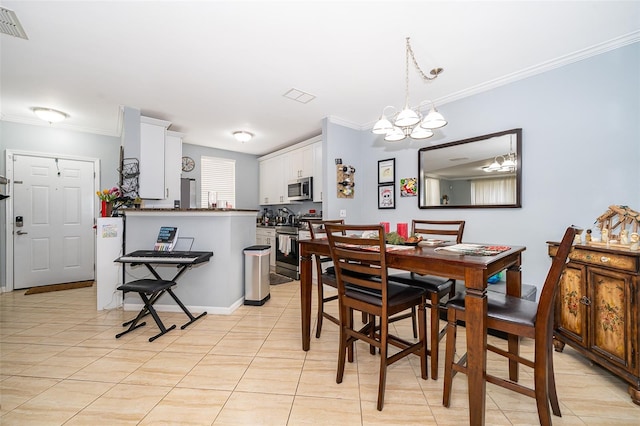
(597, 309)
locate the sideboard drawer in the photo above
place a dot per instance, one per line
(597, 258)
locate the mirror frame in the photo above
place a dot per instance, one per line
(478, 139)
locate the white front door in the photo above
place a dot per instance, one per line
(53, 238)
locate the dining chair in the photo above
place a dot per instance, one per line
(361, 272)
(325, 276)
(436, 287)
(521, 318)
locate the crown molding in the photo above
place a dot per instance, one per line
(571, 58)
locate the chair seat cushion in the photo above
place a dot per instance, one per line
(147, 286)
(430, 283)
(331, 271)
(503, 308)
(397, 294)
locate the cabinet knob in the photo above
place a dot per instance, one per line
(585, 301)
(604, 259)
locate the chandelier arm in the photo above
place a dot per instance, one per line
(415, 63)
(406, 75)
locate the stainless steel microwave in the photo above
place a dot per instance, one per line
(300, 189)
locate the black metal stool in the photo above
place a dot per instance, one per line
(150, 291)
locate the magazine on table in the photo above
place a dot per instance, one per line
(473, 249)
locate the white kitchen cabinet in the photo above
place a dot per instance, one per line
(152, 158)
(172, 171)
(300, 162)
(272, 181)
(280, 167)
(317, 172)
(267, 237)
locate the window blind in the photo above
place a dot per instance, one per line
(217, 175)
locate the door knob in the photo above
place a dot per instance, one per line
(21, 233)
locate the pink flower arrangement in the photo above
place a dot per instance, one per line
(108, 195)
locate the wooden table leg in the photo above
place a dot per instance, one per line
(476, 324)
(305, 297)
(514, 288)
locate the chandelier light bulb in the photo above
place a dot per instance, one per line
(382, 126)
(395, 135)
(433, 120)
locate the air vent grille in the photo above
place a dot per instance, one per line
(299, 96)
(9, 24)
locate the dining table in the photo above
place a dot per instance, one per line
(473, 269)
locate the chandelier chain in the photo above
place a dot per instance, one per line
(415, 63)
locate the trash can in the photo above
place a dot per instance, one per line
(256, 275)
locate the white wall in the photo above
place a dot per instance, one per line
(581, 153)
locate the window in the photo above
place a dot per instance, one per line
(493, 191)
(218, 177)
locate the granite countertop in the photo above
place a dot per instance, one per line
(192, 210)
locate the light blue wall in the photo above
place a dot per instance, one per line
(581, 153)
(246, 173)
(53, 140)
(50, 139)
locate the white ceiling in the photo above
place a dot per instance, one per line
(213, 67)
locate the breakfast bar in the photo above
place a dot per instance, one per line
(216, 286)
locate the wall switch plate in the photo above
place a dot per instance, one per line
(343, 213)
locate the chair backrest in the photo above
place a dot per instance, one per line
(317, 228)
(359, 260)
(544, 315)
(435, 229)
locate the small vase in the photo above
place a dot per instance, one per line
(107, 208)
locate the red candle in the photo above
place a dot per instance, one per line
(402, 230)
(386, 227)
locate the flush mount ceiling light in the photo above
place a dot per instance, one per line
(409, 122)
(49, 115)
(242, 136)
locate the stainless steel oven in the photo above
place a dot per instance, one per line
(287, 251)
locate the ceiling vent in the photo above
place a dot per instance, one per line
(299, 96)
(9, 24)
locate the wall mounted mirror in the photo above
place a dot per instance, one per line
(480, 172)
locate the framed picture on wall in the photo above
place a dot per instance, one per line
(386, 197)
(387, 171)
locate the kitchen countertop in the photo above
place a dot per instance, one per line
(191, 210)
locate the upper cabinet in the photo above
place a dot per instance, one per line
(317, 172)
(145, 139)
(272, 181)
(152, 158)
(278, 168)
(172, 171)
(300, 162)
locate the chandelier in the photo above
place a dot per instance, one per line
(503, 163)
(409, 122)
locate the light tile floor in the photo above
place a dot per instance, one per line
(60, 363)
